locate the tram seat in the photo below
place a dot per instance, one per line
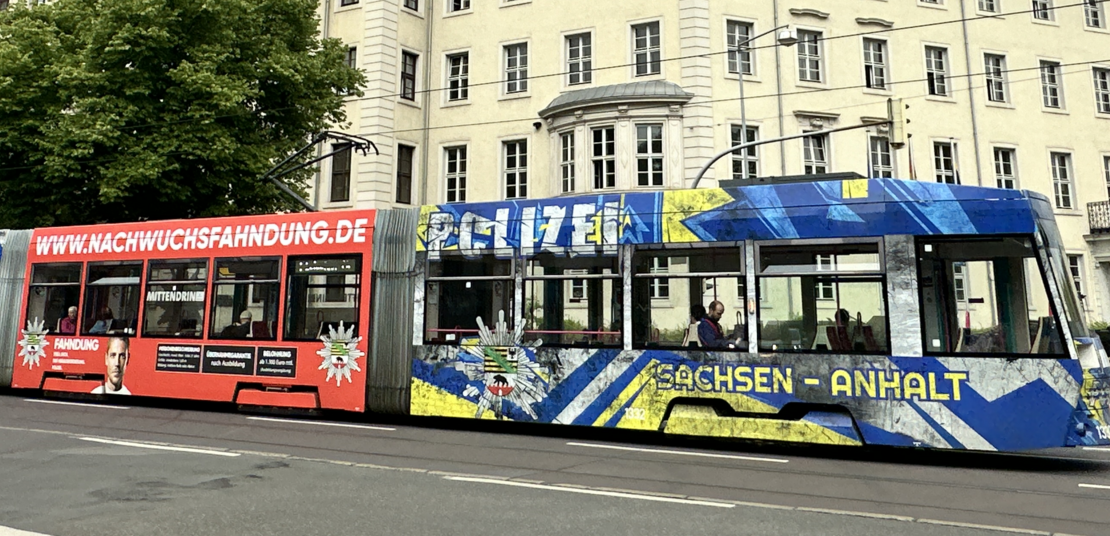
(260, 329)
(838, 338)
(690, 339)
(962, 336)
(1042, 336)
(869, 342)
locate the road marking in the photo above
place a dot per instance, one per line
(160, 447)
(319, 423)
(679, 452)
(1094, 486)
(983, 527)
(587, 491)
(60, 403)
(8, 531)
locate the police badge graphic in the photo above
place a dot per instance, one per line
(340, 353)
(33, 343)
(505, 366)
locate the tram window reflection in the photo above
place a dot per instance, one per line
(322, 294)
(54, 289)
(174, 302)
(111, 298)
(573, 301)
(245, 293)
(460, 290)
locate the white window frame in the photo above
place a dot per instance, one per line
(746, 54)
(1101, 78)
(1001, 177)
(745, 157)
(998, 91)
(876, 71)
(655, 179)
(606, 161)
(660, 285)
(987, 6)
(462, 79)
(1052, 84)
(876, 155)
(1063, 179)
(1094, 16)
(825, 291)
(1076, 272)
(959, 282)
(518, 172)
(1106, 170)
(1042, 11)
(810, 53)
(938, 80)
(518, 86)
(459, 175)
(567, 161)
(810, 162)
(946, 174)
(648, 49)
(449, 5)
(584, 62)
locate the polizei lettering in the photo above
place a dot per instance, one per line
(88, 345)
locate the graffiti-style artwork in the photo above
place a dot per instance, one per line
(33, 344)
(502, 369)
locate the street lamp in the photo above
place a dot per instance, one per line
(786, 37)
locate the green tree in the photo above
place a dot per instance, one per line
(124, 110)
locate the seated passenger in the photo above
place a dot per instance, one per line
(68, 325)
(710, 331)
(238, 331)
(697, 313)
(103, 322)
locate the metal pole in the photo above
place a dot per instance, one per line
(721, 154)
(743, 114)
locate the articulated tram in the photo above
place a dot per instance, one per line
(844, 312)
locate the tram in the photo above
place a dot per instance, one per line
(843, 312)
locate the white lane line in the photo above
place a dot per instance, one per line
(8, 531)
(587, 491)
(679, 452)
(160, 447)
(60, 403)
(1094, 486)
(319, 423)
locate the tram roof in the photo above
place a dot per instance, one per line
(794, 210)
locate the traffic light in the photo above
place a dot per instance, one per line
(896, 115)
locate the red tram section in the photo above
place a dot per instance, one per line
(262, 310)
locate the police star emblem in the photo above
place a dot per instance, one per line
(34, 343)
(504, 366)
(340, 353)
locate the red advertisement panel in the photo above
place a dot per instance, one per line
(271, 308)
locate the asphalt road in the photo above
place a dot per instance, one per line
(88, 469)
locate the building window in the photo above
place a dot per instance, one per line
(874, 63)
(458, 76)
(1102, 90)
(1075, 269)
(882, 162)
(341, 173)
(1061, 179)
(936, 70)
(815, 151)
(412, 4)
(944, 161)
(1050, 84)
(825, 290)
(1106, 172)
(404, 173)
(959, 282)
(408, 76)
(660, 287)
(989, 6)
(745, 162)
(516, 68)
(566, 161)
(1005, 170)
(352, 57)
(516, 169)
(1093, 14)
(738, 35)
(809, 56)
(347, 2)
(579, 59)
(649, 155)
(458, 5)
(1042, 9)
(455, 173)
(646, 48)
(994, 67)
(604, 158)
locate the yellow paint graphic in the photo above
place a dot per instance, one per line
(681, 204)
(1094, 394)
(854, 189)
(422, 226)
(704, 421)
(429, 400)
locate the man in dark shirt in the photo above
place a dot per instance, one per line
(242, 330)
(709, 329)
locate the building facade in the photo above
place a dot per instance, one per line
(478, 100)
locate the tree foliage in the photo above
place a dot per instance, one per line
(124, 110)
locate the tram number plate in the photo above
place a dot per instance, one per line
(1103, 431)
(635, 414)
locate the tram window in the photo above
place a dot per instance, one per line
(322, 293)
(174, 304)
(112, 298)
(668, 284)
(245, 298)
(459, 291)
(985, 297)
(573, 301)
(54, 289)
(822, 298)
